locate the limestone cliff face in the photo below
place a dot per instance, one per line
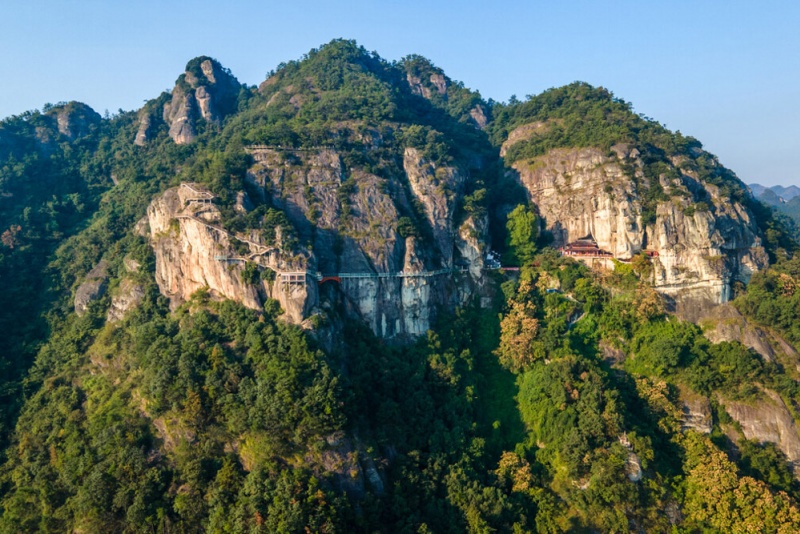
(194, 252)
(436, 189)
(699, 251)
(354, 232)
(206, 91)
(769, 421)
(350, 218)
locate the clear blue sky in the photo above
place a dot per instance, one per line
(724, 71)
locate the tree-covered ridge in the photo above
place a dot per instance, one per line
(553, 407)
(216, 417)
(50, 182)
(335, 96)
(132, 422)
(465, 105)
(343, 98)
(580, 115)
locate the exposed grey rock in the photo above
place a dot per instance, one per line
(128, 295)
(439, 82)
(725, 323)
(243, 203)
(633, 467)
(611, 355)
(142, 227)
(417, 87)
(307, 184)
(696, 413)
(352, 233)
(130, 264)
(180, 113)
(144, 133)
(479, 116)
(698, 254)
(188, 242)
(436, 189)
(74, 120)
(207, 94)
(768, 421)
(93, 287)
(340, 459)
(471, 244)
(373, 476)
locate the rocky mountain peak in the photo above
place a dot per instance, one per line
(430, 82)
(74, 119)
(205, 92)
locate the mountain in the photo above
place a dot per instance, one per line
(786, 193)
(594, 168)
(785, 200)
(361, 298)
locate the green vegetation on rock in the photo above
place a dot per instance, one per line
(553, 398)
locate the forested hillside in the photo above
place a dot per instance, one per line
(335, 302)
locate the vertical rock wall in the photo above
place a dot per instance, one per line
(189, 241)
(697, 253)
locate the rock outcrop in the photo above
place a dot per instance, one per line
(436, 82)
(143, 134)
(128, 296)
(352, 227)
(725, 323)
(206, 91)
(428, 81)
(768, 421)
(93, 287)
(471, 244)
(695, 412)
(193, 252)
(436, 190)
(75, 119)
(149, 117)
(697, 249)
(72, 121)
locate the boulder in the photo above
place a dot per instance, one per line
(93, 287)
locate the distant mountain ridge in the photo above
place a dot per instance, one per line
(786, 193)
(786, 200)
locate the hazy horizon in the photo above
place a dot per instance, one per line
(724, 74)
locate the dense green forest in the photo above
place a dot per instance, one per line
(556, 405)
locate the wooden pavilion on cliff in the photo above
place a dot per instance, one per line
(584, 247)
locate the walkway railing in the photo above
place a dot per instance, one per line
(297, 277)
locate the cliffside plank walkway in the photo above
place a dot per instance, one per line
(299, 277)
(264, 249)
(200, 196)
(289, 148)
